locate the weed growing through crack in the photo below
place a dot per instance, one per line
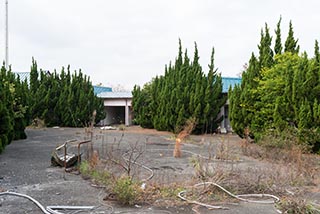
(85, 169)
(293, 205)
(96, 175)
(126, 190)
(293, 169)
(122, 127)
(162, 194)
(279, 172)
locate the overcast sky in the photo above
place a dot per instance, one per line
(128, 42)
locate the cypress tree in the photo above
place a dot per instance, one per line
(305, 116)
(20, 107)
(291, 44)
(278, 121)
(65, 99)
(247, 99)
(213, 97)
(265, 50)
(316, 113)
(183, 92)
(236, 111)
(5, 125)
(278, 44)
(316, 53)
(34, 77)
(5, 121)
(6, 110)
(313, 74)
(281, 95)
(181, 119)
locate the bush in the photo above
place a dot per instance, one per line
(311, 138)
(126, 190)
(287, 139)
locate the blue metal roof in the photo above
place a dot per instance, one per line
(100, 89)
(229, 81)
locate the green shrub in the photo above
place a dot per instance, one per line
(171, 191)
(286, 139)
(126, 190)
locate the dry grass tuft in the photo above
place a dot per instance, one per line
(186, 131)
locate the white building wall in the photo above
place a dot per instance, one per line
(117, 102)
(118, 111)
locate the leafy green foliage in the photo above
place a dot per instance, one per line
(184, 92)
(280, 95)
(126, 190)
(13, 107)
(63, 99)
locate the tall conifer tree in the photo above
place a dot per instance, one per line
(184, 91)
(291, 44)
(278, 44)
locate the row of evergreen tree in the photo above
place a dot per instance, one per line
(280, 91)
(63, 99)
(183, 92)
(13, 107)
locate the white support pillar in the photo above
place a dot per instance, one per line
(223, 126)
(126, 117)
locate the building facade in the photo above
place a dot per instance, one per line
(227, 82)
(118, 106)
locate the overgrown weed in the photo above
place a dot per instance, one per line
(296, 205)
(283, 169)
(286, 150)
(163, 194)
(127, 191)
(294, 167)
(96, 175)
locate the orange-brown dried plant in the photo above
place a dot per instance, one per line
(186, 131)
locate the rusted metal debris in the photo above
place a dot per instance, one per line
(61, 157)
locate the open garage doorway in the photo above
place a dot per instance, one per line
(118, 108)
(115, 115)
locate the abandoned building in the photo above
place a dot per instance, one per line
(227, 82)
(119, 110)
(118, 107)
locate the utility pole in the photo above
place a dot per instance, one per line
(7, 39)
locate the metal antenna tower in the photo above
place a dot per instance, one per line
(7, 39)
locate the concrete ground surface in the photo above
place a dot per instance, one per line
(25, 168)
